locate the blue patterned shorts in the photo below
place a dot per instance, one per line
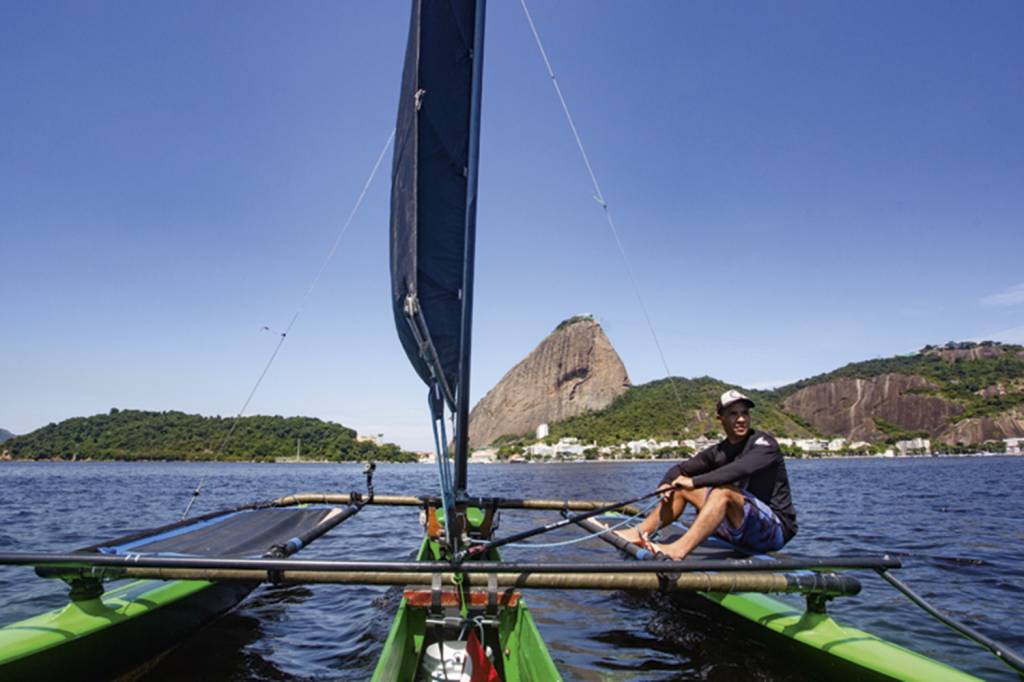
(760, 531)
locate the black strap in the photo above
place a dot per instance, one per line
(492, 594)
(436, 605)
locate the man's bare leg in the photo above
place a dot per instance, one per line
(722, 503)
(665, 513)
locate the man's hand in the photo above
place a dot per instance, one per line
(680, 483)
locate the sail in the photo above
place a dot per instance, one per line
(431, 189)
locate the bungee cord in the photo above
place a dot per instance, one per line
(298, 311)
(588, 536)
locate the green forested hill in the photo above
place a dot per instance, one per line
(5, 435)
(133, 434)
(672, 409)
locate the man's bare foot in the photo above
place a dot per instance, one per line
(669, 551)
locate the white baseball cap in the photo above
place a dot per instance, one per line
(729, 397)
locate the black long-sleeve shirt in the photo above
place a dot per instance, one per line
(754, 464)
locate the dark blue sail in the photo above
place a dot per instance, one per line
(433, 193)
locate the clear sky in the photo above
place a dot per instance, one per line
(797, 185)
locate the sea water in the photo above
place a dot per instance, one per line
(953, 522)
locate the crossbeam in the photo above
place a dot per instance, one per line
(58, 562)
(825, 584)
(427, 500)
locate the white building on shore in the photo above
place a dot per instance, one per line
(914, 446)
(565, 448)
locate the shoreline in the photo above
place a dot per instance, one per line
(815, 457)
(632, 460)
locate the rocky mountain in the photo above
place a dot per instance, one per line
(572, 371)
(854, 408)
(963, 393)
(958, 394)
(5, 435)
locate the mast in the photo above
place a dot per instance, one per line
(466, 335)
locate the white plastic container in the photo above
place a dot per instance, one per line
(456, 663)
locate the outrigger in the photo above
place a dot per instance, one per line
(462, 616)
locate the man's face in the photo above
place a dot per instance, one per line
(735, 420)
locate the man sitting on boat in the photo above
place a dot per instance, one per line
(738, 486)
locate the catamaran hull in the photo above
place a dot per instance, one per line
(517, 646)
(818, 643)
(99, 639)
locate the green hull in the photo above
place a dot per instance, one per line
(813, 640)
(103, 637)
(523, 654)
(846, 651)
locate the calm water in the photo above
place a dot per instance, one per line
(953, 522)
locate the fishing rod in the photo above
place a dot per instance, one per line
(476, 550)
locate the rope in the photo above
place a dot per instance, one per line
(599, 197)
(444, 471)
(302, 302)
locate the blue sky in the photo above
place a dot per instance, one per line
(796, 185)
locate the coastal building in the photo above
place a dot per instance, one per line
(542, 431)
(698, 444)
(376, 439)
(540, 450)
(1014, 446)
(914, 446)
(569, 447)
(484, 456)
(565, 448)
(636, 447)
(811, 444)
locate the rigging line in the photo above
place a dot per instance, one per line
(302, 303)
(441, 450)
(599, 196)
(476, 550)
(588, 536)
(1008, 657)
